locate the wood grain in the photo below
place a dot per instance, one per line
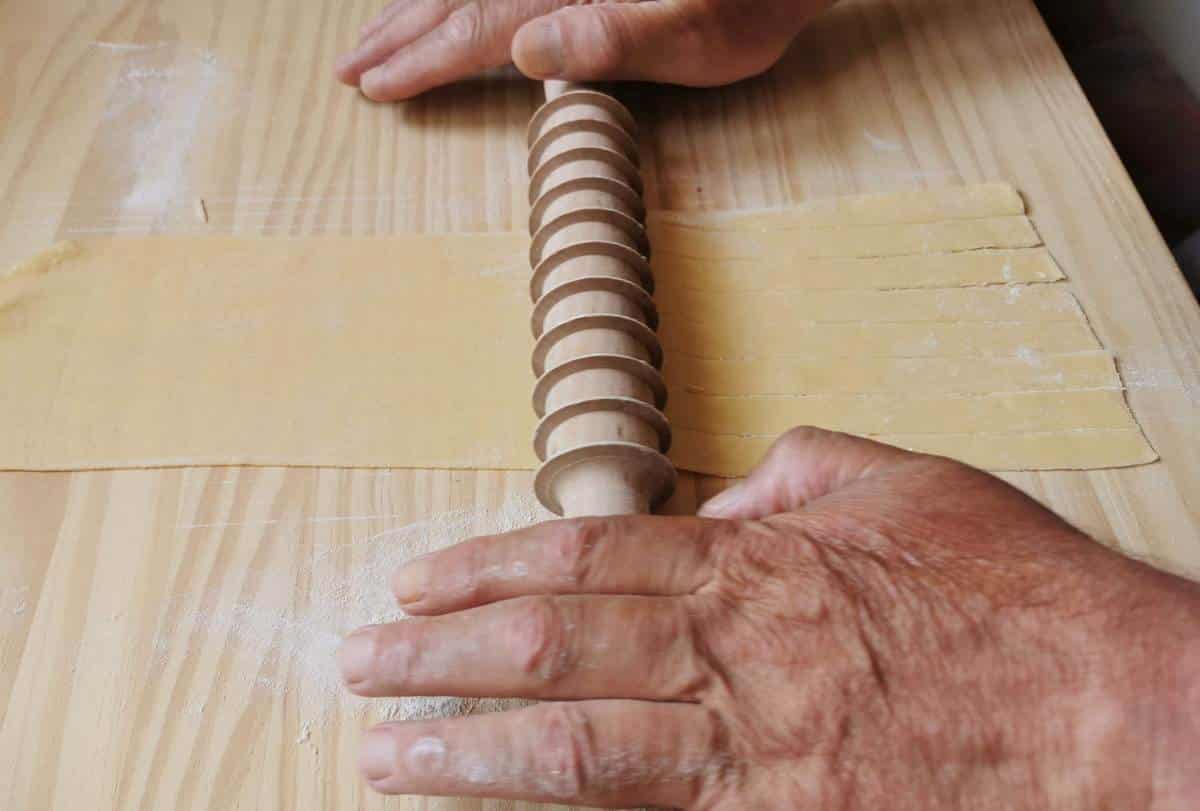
(151, 621)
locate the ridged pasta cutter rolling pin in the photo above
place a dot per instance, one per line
(602, 435)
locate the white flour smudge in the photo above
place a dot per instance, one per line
(14, 600)
(1157, 379)
(296, 623)
(128, 47)
(166, 103)
(881, 144)
(427, 754)
(1030, 356)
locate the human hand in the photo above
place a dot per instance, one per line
(415, 45)
(855, 627)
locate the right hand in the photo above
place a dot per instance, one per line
(415, 45)
(854, 627)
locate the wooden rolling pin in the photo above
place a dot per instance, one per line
(602, 437)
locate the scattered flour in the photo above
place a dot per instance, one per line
(15, 599)
(1151, 378)
(129, 47)
(928, 345)
(427, 754)
(881, 144)
(165, 93)
(291, 630)
(1030, 356)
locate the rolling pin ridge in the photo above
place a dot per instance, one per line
(603, 258)
(586, 192)
(588, 224)
(602, 367)
(586, 161)
(631, 291)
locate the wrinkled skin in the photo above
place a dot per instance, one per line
(415, 45)
(854, 627)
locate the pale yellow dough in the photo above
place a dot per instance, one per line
(916, 206)
(725, 455)
(413, 351)
(844, 242)
(963, 269)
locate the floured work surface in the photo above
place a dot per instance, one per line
(932, 320)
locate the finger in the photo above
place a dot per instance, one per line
(394, 31)
(379, 20)
(624, 555)
(614, 754)
(471, 38)
(803, 465)
(655, 41)
(533, 647)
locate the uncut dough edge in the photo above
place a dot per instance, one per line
(322, 356)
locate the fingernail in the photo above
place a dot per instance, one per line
(410, 581)
(369, 82)
(356, 657)
(377, 758)
(722, 502)
(543, 57)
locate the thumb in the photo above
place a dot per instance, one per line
(656, 41)
(802, 466)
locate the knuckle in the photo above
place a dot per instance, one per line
(465, 27)
(470, 573)
(693, 676)
(699, 32)
(940, 476)
(716, 537)
(566, 754)
(770, 557)
(795, 440)
(945, 467)
(542, 635)
(719, 784)
(397, 655)
(576, 546)
(608, 42)
(724, 544)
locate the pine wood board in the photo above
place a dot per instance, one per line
(132, 671)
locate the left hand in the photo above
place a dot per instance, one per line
(416, 45)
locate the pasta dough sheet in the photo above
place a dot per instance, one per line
(413, 351)
(409, 351)
(933, 270)
(1075, 450)
(861, 241)
(893, 208)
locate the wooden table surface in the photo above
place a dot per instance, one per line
(166, 636)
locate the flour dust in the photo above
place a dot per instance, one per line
(286, 635)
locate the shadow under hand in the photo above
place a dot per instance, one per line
(499, 101)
